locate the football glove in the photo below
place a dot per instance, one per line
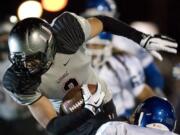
(156, 43)
(92, 101)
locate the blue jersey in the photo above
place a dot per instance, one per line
(153, 76)
(125, 78)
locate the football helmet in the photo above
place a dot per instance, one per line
(156, 112)
(100, 49)
(100, 7)
(31, 45)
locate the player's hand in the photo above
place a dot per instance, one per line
(20, 83)
(156, 43)
(92, 101)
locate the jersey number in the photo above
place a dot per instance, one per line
(71, 83)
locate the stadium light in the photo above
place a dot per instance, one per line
(29, 9)
(54, 5)
(13, 19)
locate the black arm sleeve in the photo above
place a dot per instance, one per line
(64, 124)
(117, 27)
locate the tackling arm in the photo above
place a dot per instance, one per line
(71, 31)
(151, 43)
(116, 27)
(43, 111)
(45, 114)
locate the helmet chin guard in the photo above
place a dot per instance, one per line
(31, 45)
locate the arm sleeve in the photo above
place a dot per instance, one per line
(117, 27)
(23, 90)
(70, 32)
(63, 124)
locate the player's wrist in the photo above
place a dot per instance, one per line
(144, 40)
(91, 108)
(88, 112)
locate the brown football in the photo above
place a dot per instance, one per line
(73, 100)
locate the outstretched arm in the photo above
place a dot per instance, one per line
(71, 31)
(151, 43)
(114, 26)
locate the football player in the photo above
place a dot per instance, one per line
(122, 72)
(153, 116)
(38, 76)
(156, 113)
(14, 119)
(153, 76)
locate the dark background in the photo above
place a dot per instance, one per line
(163, 12)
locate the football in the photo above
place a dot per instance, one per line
(73, 100)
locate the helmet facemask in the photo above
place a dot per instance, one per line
(31, 45)
(37, 63)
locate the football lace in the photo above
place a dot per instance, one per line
(76, 105)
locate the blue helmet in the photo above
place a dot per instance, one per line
(157, 113)
(105, 36)
(100, 7)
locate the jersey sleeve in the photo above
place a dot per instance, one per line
(70, 32)
(23, 91)
(23, 99)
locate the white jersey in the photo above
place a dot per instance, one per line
(121, 128)
(67, 72)
(9, 109)
(133, 48)
(125, 78)
(71, 66)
